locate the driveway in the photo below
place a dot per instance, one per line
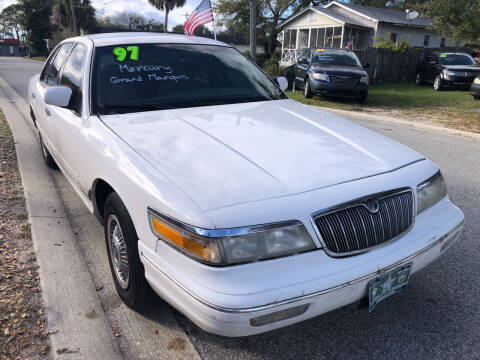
(437, 317)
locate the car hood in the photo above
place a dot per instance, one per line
(462, 67)
(230, 154)
(339, 70)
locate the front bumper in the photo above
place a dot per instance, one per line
(222, 313)
(328, 88)
(458, 82)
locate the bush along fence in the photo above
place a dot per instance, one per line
(387, 65)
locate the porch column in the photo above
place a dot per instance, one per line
(297, 45)
(309, 36)
(341, 41)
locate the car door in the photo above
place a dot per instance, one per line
(68, 120)
(431, 70)
(301, 68)
(49, 77)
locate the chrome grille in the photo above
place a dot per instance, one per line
(341, 80)
(353, 228)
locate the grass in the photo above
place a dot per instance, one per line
(452, 108)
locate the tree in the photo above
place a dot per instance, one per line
(84, 14)
(235, 16)
(36, 22)
(130, 21)
(10, 19)
(199, 31)
(459, 19)
(167, 5)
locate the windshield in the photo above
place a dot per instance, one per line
(129, 78)
(456, 59)
(335, 57)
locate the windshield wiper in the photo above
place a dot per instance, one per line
(142, 106)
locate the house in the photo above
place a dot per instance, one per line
(10, 47)
(339, 23)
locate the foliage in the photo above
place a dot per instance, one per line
(199, 31)
(272, 68)
(84, 14)
(10, 18)
(129, 20)
(167, 5)
(388, 43)
(459, 19)
(36, 22)
(234, 15)
(261, 58)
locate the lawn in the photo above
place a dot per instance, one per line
(452, 108)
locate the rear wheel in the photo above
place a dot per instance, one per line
(418, 79)
(437, 83)
(47, 157)
(122, 249)
(308, 91)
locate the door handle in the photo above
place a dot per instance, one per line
(48, 112)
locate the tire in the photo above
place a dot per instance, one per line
(419, 80)
(476, 97)
(47, 157)
(307, 90)
(122, 248)
(437, 83)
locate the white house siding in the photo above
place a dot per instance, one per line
(413, 35)
(302, 22)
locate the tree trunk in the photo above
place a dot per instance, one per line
(166, 19)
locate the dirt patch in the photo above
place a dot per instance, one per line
(22, 320)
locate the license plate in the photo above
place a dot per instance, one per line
(388, 284)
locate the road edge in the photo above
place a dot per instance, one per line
(404, 122)
(74, 312)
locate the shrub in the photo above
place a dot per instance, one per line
(388, 43)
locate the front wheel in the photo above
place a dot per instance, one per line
(122, 249)
(308, 91)
(437, 83)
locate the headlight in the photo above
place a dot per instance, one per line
(320, 76)
(232, 246)
(448, 72)
(476, 80)
(364, 80)
(430, 191)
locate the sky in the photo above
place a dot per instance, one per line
(112, 7)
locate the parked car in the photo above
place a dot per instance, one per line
(331, 72)
(475, 88)
(243, 209)
(452, 70)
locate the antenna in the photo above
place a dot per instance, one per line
(411, 14)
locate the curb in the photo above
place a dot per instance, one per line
(74, 312)
(404, 122)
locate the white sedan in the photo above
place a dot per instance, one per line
(243, 209)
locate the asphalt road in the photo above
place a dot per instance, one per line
(437, 317)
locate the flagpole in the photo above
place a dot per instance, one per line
(213, 23)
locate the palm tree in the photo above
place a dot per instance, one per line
(167, 5)
(84, 14)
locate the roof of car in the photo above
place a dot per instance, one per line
(146, 37)
(448, 53)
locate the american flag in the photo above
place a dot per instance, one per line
(200, 16)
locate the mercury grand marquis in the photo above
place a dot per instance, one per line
(243, 209)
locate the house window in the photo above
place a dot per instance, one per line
(426, 40)
(311, 16)
(442, 42)
(393, 37)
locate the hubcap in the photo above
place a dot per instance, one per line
(118, 251)
(437, 83)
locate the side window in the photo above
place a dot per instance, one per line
(43, 76)
(72, 76)
(50, 76)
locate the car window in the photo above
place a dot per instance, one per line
(335, 57)
(43, 76)
(52, 71)
(72, 76)
(142, 77)
(456, 59)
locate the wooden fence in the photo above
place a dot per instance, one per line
(395, 66)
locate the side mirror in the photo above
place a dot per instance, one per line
(366, 66)
(282, 82)
(433, 62)
(57, 95)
